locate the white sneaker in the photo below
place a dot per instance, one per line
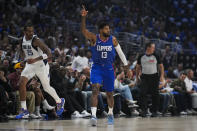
(85, 114)
(76, 114)
(93, 121)
(189, 112)
(132, 102)
(135, 113)
(33, 116)
(45, 108)
(193, 112)
(183, 113)
(159, 113)
(38, 114)
(148, 112)
(11, 116)
(133, 106)
(122, 113)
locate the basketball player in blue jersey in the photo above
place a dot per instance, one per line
(36, 54)
(102, 73)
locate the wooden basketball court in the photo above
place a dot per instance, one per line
(183, 123)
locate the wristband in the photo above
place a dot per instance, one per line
(44, 56)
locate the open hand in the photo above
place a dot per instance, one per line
(84, 12)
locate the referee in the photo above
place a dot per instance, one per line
(148, 65)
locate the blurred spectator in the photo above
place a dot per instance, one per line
(34, 86)
(15, 76)
(167, 57)
(180, 94)
(14, 83)
(170, 73)
(125, 92)
(191, 93)
(178, 70)
(80, 62)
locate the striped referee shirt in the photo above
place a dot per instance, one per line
(149, 63)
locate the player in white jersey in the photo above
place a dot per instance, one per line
(35, 52)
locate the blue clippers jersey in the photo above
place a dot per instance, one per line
(103, 52)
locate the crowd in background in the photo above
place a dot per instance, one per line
(70, 68)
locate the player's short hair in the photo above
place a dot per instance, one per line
(28, 24)
(102, 24)
(148, 45)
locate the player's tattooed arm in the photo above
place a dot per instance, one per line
(89, 35)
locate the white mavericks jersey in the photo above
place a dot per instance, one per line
(31, 52)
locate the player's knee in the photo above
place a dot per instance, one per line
(95, 89)
(23, 82)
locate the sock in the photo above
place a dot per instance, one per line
(44, 102)
(23, 105)
(110, 112)
(93, 110)
(37, 108)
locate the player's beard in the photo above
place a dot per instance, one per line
(106, 34)
(29, 37)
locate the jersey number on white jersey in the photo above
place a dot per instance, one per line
(29, 52)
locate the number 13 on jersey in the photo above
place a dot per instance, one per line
(103, 54)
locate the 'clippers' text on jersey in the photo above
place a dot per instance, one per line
(103, 52)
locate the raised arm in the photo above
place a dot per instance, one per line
(89, 35)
